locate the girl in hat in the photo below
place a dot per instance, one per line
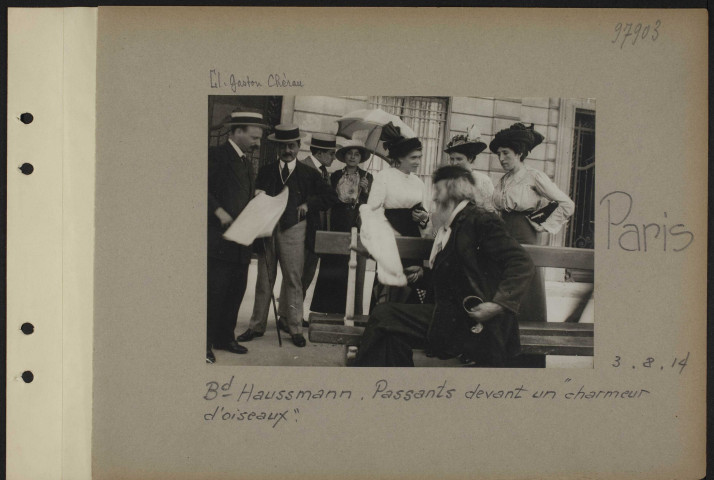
(529, 203)
(462, 150)
(402, 195)
(352, 185)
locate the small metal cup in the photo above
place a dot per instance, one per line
(470, 303)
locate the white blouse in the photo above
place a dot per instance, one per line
(530, 189)
(393, 188)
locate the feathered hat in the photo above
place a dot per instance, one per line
(397, 145)
(469, 144)
(523, 138)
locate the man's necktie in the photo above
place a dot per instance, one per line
(285, 172)
(325, 175)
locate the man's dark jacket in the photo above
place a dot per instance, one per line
(306, 185)
(481, 259)
(230, 186)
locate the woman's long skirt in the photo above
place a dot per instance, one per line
(533, 304)
(330, 293)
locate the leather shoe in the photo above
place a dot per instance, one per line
(249, 335)
(210, 357)
(299, 340)
(232, 346)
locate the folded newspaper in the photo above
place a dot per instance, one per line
(258, 219)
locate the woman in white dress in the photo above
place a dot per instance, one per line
(398, 189)
(402, 194)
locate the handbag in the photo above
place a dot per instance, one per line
(541, 215)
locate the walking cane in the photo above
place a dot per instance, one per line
(272, 295)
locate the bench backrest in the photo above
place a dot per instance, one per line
(338, 243)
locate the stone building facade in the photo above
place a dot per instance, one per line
(567, 155)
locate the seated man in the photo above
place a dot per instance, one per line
(472, 256)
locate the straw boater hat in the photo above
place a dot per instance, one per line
(523, 138)
(469, 144)
(323, 141)
(285, 133)
(245, 119)
(350, 144)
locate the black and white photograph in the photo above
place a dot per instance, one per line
(387, 231)
(384, 286)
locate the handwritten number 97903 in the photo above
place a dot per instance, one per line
(639, 32)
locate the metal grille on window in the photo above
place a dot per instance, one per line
(427, 117)
(581, 231)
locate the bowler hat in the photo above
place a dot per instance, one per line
(285, 133)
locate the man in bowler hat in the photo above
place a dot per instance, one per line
(322, 154)
(230, 188)
(307, 191)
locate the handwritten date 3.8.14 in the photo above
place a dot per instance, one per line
(632, 33)
(675, 363)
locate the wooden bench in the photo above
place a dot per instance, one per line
(548, 338)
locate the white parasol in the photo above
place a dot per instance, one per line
(366, 125)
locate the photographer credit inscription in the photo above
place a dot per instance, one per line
(223, 80)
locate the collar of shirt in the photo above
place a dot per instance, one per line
(399, 173)
(291, 165)
(315, 162)
(518, 176)
(236, 148)
(443, 234)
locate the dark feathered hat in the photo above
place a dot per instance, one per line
(523, 138)
(469, 144)
(397, 145)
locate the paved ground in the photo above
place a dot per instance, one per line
(561, 297)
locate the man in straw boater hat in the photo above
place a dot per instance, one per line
(306, 191)
(322, 154)
(230, 188)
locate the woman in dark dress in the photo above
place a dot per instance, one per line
(352, 185)
(521, 192)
